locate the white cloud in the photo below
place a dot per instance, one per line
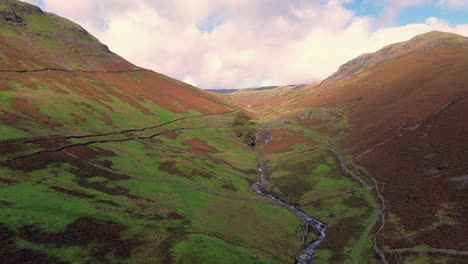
(188, 79)
(264, 41)
(453, 4)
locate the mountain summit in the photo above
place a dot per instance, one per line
(34, 39)
(419, 43)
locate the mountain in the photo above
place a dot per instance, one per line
(417, 44)
(50, 59)
(223, 91)
(33, 39)
(409, 131)
(102, 161)
(395, 120)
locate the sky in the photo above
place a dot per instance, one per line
(228, 44)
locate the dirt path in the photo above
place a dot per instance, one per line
(414, 127)
(353, 170)
(424, 251)
(65, 70)
(96, 142)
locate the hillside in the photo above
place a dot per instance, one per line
(394, 120)
(102, 161)
(32, 39)
(418, 44)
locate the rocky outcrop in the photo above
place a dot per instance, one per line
(22, 8)
(13, 10)
(11, 18)
(320, 114)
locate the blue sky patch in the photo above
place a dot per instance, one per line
(209, 23)
(364, 8)
(416, 15)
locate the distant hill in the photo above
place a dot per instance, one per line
(263, 88)
(222, 91)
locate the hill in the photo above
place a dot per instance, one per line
(418, 44)
(102, 161)
(394, 121)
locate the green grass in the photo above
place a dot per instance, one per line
(13, 84)
(36, 204)
(139, 159)
(7, 132)
(331, 185)
(240, 221)
(429, 259)
(70, 254)
(323, 256)
(321, 169)
(211, 250)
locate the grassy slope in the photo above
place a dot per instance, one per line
(307, 174)
(154, 221)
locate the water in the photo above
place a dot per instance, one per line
(307, 253)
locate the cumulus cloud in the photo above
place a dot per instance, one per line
(232, 43)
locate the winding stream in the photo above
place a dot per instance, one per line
(308, 252)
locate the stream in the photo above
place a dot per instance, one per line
(307, 252)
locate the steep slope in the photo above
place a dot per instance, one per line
(398, 113)
(33, 39)
(104, 162)
(393, 97)
(86, 81)
(377, 152)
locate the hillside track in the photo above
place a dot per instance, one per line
(119, 132)
(91, 142)
(416, 126)
(86, 71)
(360, 175)
(425, 251)
(143, 140)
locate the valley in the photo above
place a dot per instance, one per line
(102, 161)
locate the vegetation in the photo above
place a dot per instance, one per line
(200, 249)
(244, 128)
(137, 167)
